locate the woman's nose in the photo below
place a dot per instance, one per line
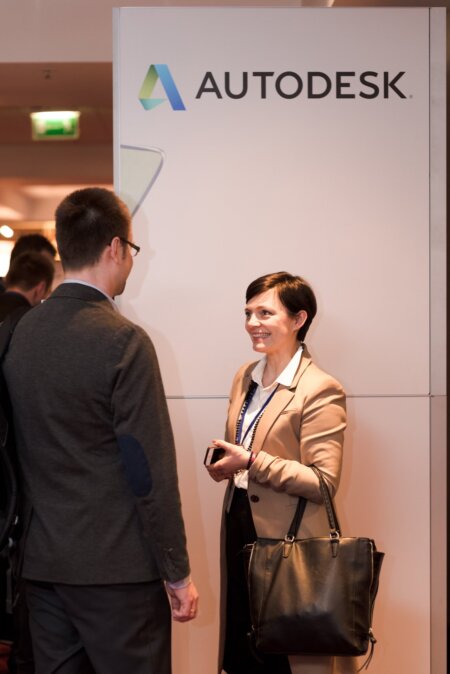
(252, 320)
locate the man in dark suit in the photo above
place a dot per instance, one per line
(104, 542)
(27, 283)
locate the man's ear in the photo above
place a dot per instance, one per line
(38, 293)
(115, 249)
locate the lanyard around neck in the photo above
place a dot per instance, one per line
(255, 421)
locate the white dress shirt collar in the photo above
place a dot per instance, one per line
(90, 285)
(286, 377)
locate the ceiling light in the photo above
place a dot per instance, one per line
(6, 231)
(55, 125)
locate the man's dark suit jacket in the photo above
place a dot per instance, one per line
(95, 445)
(10, 301)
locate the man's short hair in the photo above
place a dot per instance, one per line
(87, 221)
(33, 242)
(29, 269)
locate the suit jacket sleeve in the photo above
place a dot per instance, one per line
(145, 439)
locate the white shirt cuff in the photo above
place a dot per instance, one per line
(178, 584)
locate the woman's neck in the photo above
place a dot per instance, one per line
(275, 364)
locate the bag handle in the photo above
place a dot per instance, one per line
(335, 530)
(295, 524)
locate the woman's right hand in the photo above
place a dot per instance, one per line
(235, 459)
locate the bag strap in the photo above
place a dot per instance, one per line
(335, 530)
(295, 524)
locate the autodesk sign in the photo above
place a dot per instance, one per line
(313, 84)
(342, 84)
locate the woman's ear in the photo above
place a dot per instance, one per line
(300, 319)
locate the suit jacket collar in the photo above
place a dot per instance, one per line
(81, 292)
(20, 299)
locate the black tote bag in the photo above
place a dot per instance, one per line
(313, 596)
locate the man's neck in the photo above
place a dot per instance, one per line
(19, 291)
(90, 276)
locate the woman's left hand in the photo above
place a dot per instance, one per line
(235, 459)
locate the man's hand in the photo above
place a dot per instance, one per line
(184, 602)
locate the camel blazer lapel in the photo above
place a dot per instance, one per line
(279, 402)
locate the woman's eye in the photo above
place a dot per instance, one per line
(266, 313)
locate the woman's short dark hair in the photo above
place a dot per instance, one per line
(87, 220)
(294, 292)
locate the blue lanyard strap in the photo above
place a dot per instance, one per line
(239, 440)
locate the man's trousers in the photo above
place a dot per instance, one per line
(100, 629)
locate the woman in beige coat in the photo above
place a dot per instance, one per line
(284, 415)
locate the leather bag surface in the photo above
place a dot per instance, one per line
(313, 596)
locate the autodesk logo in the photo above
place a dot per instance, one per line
(289, 85)
(161, 72)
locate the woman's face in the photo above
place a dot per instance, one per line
(271, 328)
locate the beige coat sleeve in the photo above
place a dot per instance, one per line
(310, 430)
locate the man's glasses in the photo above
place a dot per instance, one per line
(134, 249)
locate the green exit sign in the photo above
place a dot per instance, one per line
(55, 125)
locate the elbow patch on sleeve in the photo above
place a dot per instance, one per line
(137, 470)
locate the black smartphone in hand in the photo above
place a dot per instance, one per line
(213, 454)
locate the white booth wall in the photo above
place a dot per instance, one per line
(346, 189)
